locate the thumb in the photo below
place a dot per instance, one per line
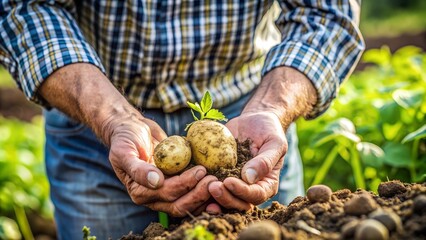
(268, 156)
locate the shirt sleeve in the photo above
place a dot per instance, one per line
(321, 39)
(39, 37)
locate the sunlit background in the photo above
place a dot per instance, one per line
(374, 131)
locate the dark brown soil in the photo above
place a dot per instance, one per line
(303, 219)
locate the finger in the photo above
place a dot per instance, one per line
(226, 199)
(156, 131)
(268, 157)
(172, 189)
(254, 193)
(143, 173)
(213, 208)
(187, 203)
(179, 185)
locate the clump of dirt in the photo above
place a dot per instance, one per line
(397, 213)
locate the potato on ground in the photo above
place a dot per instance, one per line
(212, 145)
(172, 155)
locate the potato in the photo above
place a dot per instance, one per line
(212, 145)
(172, 155)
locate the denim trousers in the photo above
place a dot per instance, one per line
(86, 192)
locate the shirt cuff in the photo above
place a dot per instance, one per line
(315, 66)
(38, 62)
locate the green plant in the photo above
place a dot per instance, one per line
(375, 129)
(204, 108)
(23, 184)
(198, 233)
(86, 234)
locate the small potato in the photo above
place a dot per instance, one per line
(319, 193)
(212, 145)
(172, 155)
(263, 230)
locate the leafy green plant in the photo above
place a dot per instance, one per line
(204, 108)
(375, 129)
(86, 234)
(23, 183)
(198, 233)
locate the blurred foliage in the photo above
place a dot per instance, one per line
(23, 182)
(376, 128)
(6, 79)
(392, 17)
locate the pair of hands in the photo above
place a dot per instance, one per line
(131, 149)
(283, 95)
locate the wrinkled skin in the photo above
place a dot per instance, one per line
(268, 148)
(131, 158)
(283, 95)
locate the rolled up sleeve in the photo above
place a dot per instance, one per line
(39, 37)
(321, 39)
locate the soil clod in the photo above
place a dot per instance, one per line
(392, 188)
(360, 204)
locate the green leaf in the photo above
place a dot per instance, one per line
(371, 154)
(397, 155)
(342, 127)
(390, 112)
(215, 114)
(408, 99)
(206, 102)
(380, 56)
(195, 107)
(9, 229)
(418, 134)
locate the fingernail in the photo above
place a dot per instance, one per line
(251, 175)
(199, 174)
(153, 178)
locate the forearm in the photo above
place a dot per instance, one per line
(286, 92)
(83, 92)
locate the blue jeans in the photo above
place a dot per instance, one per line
(86, 191)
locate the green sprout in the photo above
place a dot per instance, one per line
(198, 233)
(204, 108)
(86, 234)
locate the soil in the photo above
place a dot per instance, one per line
(304, 219)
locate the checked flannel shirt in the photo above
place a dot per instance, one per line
(162, 53)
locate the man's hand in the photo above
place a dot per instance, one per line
(283, 95)
(132, 145)
(260, 174)
(84, 93)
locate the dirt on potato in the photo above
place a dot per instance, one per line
(305, 219)
(243, 156)
(342, 215)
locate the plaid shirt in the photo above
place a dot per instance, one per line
(164, 53)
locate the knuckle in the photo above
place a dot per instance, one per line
(177, 212)
(266, 164)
